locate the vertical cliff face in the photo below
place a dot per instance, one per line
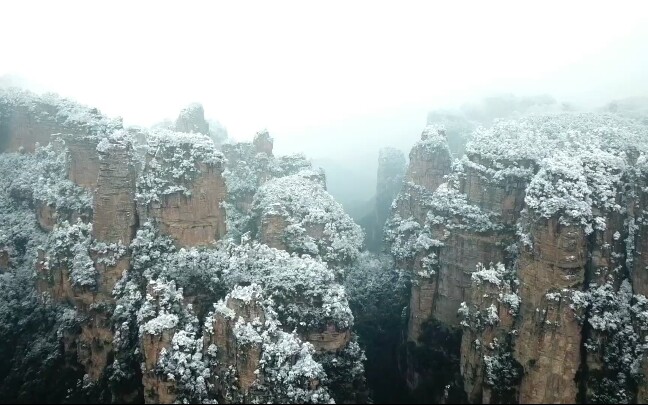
(391, 172)
(551, 236)
(640, 261)
(84, 161)
(549, 341)
(417, 240)
(238, 308)
(197, 218)
(115, 217)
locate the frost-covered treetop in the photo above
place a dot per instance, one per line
(199, 147)
(46, 180)
(303, 203)
(300, 198)
(64, 111)
(304, 288)
(575, 162)
(120, 139)
(246, 294)
(434, 135)
(536, 137)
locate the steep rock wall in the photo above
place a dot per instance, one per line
(197, 219)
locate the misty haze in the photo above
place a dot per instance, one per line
(290, 202)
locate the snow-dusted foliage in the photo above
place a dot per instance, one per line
(458, 128)
(304, 289)
(186, 365)
(375, 288)
(291, 164)
(445, 209)
(287, 369)
(407, 237)
(536, 137)
(619, 320)
(316, 224)
(173, 162)
(68, 247)
(18, 226)
(433, 138)
(501, 371)
(85, 121)
(161, 307)
(573, 163)
(290, 370)
(450, 207)
(346, 372)
(242, 170)
(45, 180)
(246, 171)
(122, 139)
(30, 326)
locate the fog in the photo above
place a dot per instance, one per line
(335, 81)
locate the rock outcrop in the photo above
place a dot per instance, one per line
(192, 120)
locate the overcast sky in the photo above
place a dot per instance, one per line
(312, 74)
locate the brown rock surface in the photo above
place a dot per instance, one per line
(505, 198)
(329, 340)
(428, 168)
(548, 346)
(156, 389)
(244, 358)
(198, 219)
(475, 344)
(45, 215)
(84, 163)
(115, 214)
(21, 129)
(271, 231)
